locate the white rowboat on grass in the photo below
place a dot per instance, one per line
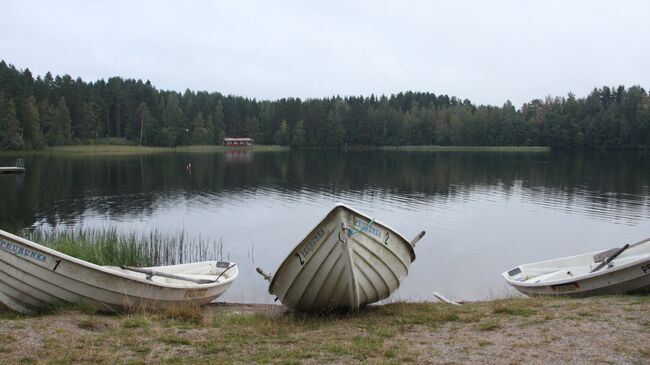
(615, 271)
(34, 278)
(347, 261)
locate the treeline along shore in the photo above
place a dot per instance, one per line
(50, 111)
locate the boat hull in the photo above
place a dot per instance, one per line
(632, 279)
(347, 261)
(34, 278)
(587, 274)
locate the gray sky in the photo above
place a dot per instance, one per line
(486, 51)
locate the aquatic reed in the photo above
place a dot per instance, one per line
(107, 246)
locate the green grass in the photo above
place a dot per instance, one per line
(110, 247)
(126, 149)
(135, 321)
(489, 325)
(122, 146)
(104, 149)
(514, 307)
(470, 148)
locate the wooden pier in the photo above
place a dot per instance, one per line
(11, 170)
(18, 169)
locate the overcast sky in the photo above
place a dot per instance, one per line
(486, 51)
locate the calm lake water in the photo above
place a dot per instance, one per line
(484, 212)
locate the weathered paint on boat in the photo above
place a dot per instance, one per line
(627, 273)
(34, 278)
(347, 261)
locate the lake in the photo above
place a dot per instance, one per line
(484, 212)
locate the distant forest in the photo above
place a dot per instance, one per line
(50, 111)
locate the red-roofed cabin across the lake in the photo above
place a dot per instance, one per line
(238, 141)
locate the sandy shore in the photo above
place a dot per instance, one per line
(608, 330)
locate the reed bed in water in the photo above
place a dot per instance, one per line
(107, 246)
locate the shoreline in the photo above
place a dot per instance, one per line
(612, 329)
(114, 149)
(127, 149)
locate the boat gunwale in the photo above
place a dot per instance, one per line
(113, 272)
(309, 232)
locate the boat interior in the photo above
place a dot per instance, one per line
(199, 273)
(572, 267)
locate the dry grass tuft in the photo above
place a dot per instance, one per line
(189, 313)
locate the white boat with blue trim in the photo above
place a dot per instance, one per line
(346, 262)
(615, 271)
(34, 278)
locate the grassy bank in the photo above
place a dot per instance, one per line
(538, 330)
(125, 149)
(469, 148)
(110, 247)
(116, 146)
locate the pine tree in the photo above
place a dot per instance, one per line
(643, 120)
(89, 123)
(282, 136)
(10, 133)
(172, 114)
(267, 122)
(298, 134)
(251, 128)
(219, 125)
(59, 132)
(145, 121)
(174, 122)
(209, 129)
(199, 131)
(335, 130)
(31, 122)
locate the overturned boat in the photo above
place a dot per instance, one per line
(615, 271)
(34, 278)
(347, 261)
